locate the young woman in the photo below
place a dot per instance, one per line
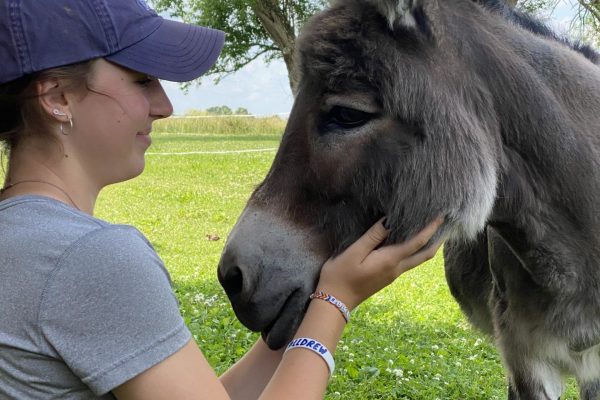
(87, 309)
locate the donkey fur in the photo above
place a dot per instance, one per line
(474, 113)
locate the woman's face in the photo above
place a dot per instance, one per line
(112, 123)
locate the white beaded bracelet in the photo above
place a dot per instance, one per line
(315, 346)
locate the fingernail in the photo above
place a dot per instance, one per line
(385, 223)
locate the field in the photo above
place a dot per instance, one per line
(410, 341)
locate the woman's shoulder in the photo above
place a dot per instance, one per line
(46, 216)
(43, 211)
(52, 233)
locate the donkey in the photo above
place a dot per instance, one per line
(418, 108)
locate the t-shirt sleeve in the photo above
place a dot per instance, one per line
(109, 310)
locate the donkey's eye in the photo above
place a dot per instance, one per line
(345, 118)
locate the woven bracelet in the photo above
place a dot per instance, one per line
(332, 300)
(316, 347)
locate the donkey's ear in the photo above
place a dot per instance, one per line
(407, 14)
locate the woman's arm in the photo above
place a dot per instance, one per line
(352, 277)
(248, 377)
(186, 375)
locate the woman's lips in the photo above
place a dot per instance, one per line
(144, 137)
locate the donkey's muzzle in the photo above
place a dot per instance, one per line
(268, 270)
(232, 280)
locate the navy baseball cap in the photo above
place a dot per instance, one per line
(36, 35)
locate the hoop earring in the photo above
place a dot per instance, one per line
(62, 114)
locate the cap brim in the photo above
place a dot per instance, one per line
(175, 52)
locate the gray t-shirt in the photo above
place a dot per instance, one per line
(85, 305)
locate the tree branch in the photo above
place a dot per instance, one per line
(240, 64)
(593, 8)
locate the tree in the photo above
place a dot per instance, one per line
(589, 15)
(254, 28)
(586, 19)
(219, 110)
(269, 28)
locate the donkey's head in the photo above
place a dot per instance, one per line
(387, 121)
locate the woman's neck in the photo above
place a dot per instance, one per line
(31, 171)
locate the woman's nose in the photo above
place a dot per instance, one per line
(161, 106)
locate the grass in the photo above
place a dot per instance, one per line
(409, 341)
(223, 125)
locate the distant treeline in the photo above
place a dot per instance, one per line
(224, 125)
(218, 110)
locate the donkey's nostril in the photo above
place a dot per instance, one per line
(233, 281)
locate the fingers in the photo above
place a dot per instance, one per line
(401, 253)
(368, 241)
(417, 259)
(419, 241)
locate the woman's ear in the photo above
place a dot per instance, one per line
(52, 99)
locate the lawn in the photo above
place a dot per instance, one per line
(408, 342)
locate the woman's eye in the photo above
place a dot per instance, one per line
(145, 81)
(345, 118)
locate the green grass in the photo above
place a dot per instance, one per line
(222, 125)
(410, 341)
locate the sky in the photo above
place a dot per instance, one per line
(263, 89)
(260, 88)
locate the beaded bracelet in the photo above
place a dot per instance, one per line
(316, 347)
(332, 300)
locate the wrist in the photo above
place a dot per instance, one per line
(322, 322)
(349, 300)
(320, 295)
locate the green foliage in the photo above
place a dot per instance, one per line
(536, 6)
(219, 110)
(585, 24)
(247, 39)
(589, 14)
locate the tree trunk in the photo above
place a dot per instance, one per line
(281, 31)
(511, 3)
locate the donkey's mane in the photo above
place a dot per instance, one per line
(536, 26)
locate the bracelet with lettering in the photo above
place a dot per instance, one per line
(316, 347)
(332, 300)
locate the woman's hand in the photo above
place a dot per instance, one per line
(361, 271)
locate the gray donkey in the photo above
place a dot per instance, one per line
(419, 108)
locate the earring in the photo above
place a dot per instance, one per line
(62, 114)
(62, 130)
